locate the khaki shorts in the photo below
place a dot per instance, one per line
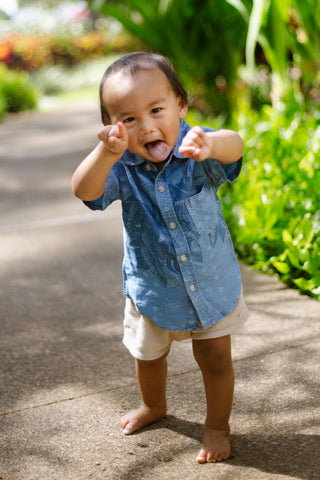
(145, 341)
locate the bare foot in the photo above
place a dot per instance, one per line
(216, 446)
(142, 416)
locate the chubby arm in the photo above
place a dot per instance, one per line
(89, 178)
(223, 145)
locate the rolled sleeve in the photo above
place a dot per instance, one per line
(222, 173)
(94, 204)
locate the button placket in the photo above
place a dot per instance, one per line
(179, 240)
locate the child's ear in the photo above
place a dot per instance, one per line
(182, 108)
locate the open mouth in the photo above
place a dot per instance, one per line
(159, 150)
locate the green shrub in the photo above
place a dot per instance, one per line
(16, 91)
(273, 209)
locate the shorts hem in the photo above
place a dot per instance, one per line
(217, 333)
(145, 356)
(146, 341)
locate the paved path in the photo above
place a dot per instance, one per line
(65, 376)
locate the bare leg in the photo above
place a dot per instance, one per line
(152, 376)
(214, 359)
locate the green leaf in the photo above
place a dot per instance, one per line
(241, 8)
(255, 23)
(282, 267)
(287, 238)
(304, 284)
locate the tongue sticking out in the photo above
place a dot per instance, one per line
(159, 150)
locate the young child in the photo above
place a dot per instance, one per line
(181, 277)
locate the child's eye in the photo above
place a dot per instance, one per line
(156, 110)
(128, 120)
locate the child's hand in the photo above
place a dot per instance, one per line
(115, 138)
(197, 145)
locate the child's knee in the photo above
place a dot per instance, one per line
(157, 362)
(213, 354)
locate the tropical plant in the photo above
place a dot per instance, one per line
(204, 40)
(208, 41)
(288, 31)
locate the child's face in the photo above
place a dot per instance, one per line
(149, 109)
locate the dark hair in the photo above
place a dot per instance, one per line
(137, 61)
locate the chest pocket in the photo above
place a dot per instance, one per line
(203, 209)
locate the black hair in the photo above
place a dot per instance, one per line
(137, 61)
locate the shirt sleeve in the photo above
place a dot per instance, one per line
(111, 192)
(222, 173)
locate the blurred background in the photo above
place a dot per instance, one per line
(250, 65)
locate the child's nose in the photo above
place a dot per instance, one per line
(146, 126)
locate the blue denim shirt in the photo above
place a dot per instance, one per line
(179, 265)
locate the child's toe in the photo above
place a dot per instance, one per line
(202, 456)
(128, 429)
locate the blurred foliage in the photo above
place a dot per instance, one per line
(47, 4)
(273, 208)
(16, 91)
(204, 40)
(30, 52)
(60, 78)
(208, 41)
(57, 61)
(287, 34)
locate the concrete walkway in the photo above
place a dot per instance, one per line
(65, 376)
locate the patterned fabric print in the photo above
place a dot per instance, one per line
(179, 266)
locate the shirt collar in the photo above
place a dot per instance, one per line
(184, 128)
(129, 158)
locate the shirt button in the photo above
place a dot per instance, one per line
(172, 225)
(161, 188)
(192, 287)
(148, 167)
(183, 258)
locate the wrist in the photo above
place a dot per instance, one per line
(108, 153)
